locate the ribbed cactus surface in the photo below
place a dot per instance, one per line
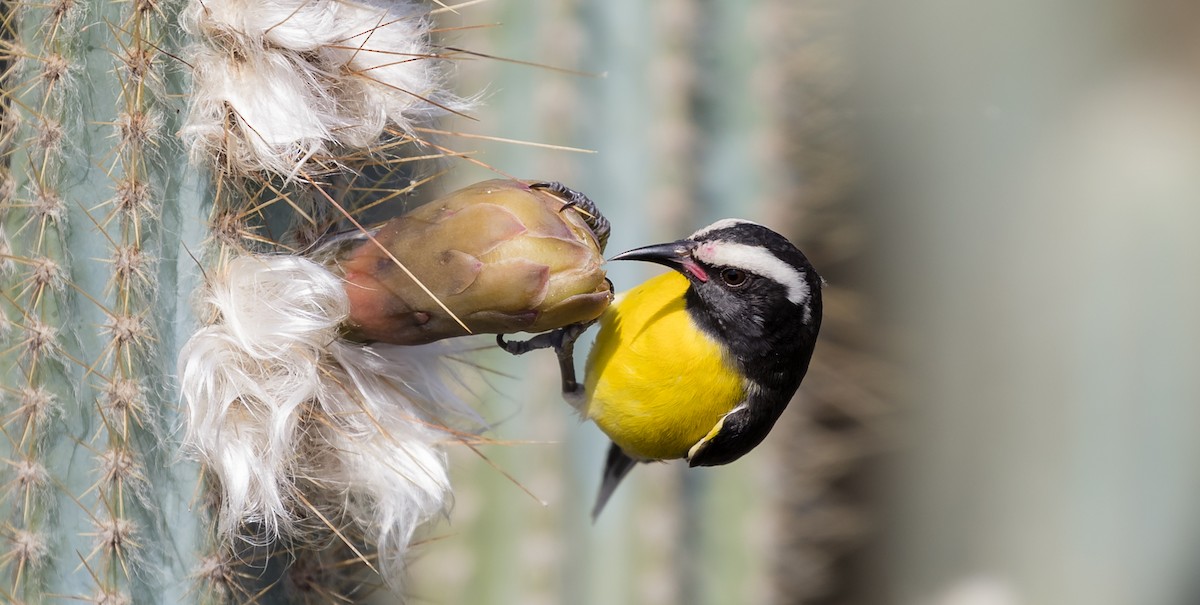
(97, 206)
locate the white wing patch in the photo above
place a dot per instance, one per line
(716, 429)
(759, 261)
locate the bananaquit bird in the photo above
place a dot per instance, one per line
(698, 363)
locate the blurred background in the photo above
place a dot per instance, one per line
(1004, 403)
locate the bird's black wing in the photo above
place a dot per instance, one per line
(615, 468)
(740, 431)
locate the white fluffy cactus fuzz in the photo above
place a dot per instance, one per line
(288, 85)
(305, 429)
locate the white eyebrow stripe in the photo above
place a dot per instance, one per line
(756, 260)
(724, 223)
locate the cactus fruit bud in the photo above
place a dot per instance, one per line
(503, 256)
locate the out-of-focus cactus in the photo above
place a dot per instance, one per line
(498, 256)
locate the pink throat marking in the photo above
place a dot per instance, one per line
(691, 267)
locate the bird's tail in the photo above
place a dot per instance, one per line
(615, 468)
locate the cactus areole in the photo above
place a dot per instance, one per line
(503, 256)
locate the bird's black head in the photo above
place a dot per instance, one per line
(753, 291)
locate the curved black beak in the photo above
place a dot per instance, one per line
(677, 255)
(669, 254)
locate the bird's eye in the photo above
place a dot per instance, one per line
(733, 277)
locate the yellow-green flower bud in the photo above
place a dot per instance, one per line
(503, 256)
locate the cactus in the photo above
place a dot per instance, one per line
(97, 199)
(110, 224)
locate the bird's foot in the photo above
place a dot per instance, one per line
(546, 340)
(562, 341)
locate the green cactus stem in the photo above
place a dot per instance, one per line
(97, 200)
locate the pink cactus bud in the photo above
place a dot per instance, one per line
(501, 255)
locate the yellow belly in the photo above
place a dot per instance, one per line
(656, 384)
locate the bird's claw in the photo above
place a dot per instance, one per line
(521, 347)
(586, 207)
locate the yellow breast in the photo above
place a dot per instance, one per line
(656, 384)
